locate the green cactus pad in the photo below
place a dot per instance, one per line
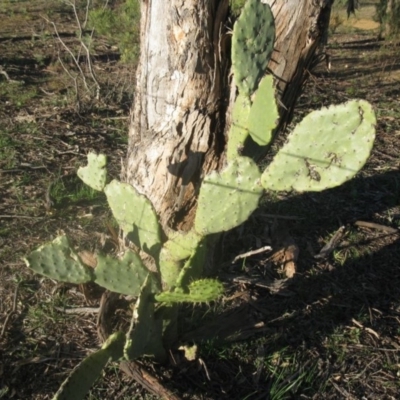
(145, 333)
(88, 371)
(326, 149)
(252, 45)
(124, 276)
(169, 268)
(135, 215)
(228, 198)
(174, 253)
(57, 260)
(263, 113)
(194, 266)
(201, 291)
(180, 245)
(238, 131)
(95, 173)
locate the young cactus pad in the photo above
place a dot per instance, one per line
(88, 371)
(327, 148)
(201, 291)
(124, 276)
(95, 173)
(57, 260)
(252, 45)
(228, 198)
(135, 215)
(263, 113)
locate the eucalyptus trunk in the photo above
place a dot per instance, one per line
(184, 92)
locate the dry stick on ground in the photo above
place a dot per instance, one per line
(18, 216)
(332, 244)
(13, 310)
(251, 253)
(131, 368)
(149, 382)
(373, 225)
(2, 72)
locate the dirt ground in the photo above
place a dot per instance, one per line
(331, 332)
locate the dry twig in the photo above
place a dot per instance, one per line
(13, 310)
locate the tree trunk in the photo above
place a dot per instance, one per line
(183, 94)
(391, 18)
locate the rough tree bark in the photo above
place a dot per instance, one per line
(391, 20)
(183, 94)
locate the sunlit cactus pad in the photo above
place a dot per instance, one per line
(95, 173)
(264, 114)
(252, 45)
(327, 148)
(124, 276)
(57, 260)
(228, 198)
(135, 215)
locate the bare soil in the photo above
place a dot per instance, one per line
(331, 332)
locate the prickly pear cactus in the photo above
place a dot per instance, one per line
(88, 371)
(95, 173)
(125, 276)
(204, 290)
(135, 215)
(57, 260)
(228, 198)
(238, 131)
(264, 114)
(145, 333)
(194, 266)
(327, 148)
(174, 253)
(252, 45)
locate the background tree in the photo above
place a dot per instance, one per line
(388, 13)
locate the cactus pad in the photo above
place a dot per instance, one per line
(135, 215)
(204, 290)
(174, 253)
(57, 260)
(263, 113)
(194, 266)
(327, 148)
(252, 45)
(95, 173)
(228, 198)
(145, 333)
(124, 276)
(238, 131)
(88, 371)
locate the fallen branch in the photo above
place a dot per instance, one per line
(13, 310)
(149, 382)
(373, 225)
(252, 253)
(4, 73)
